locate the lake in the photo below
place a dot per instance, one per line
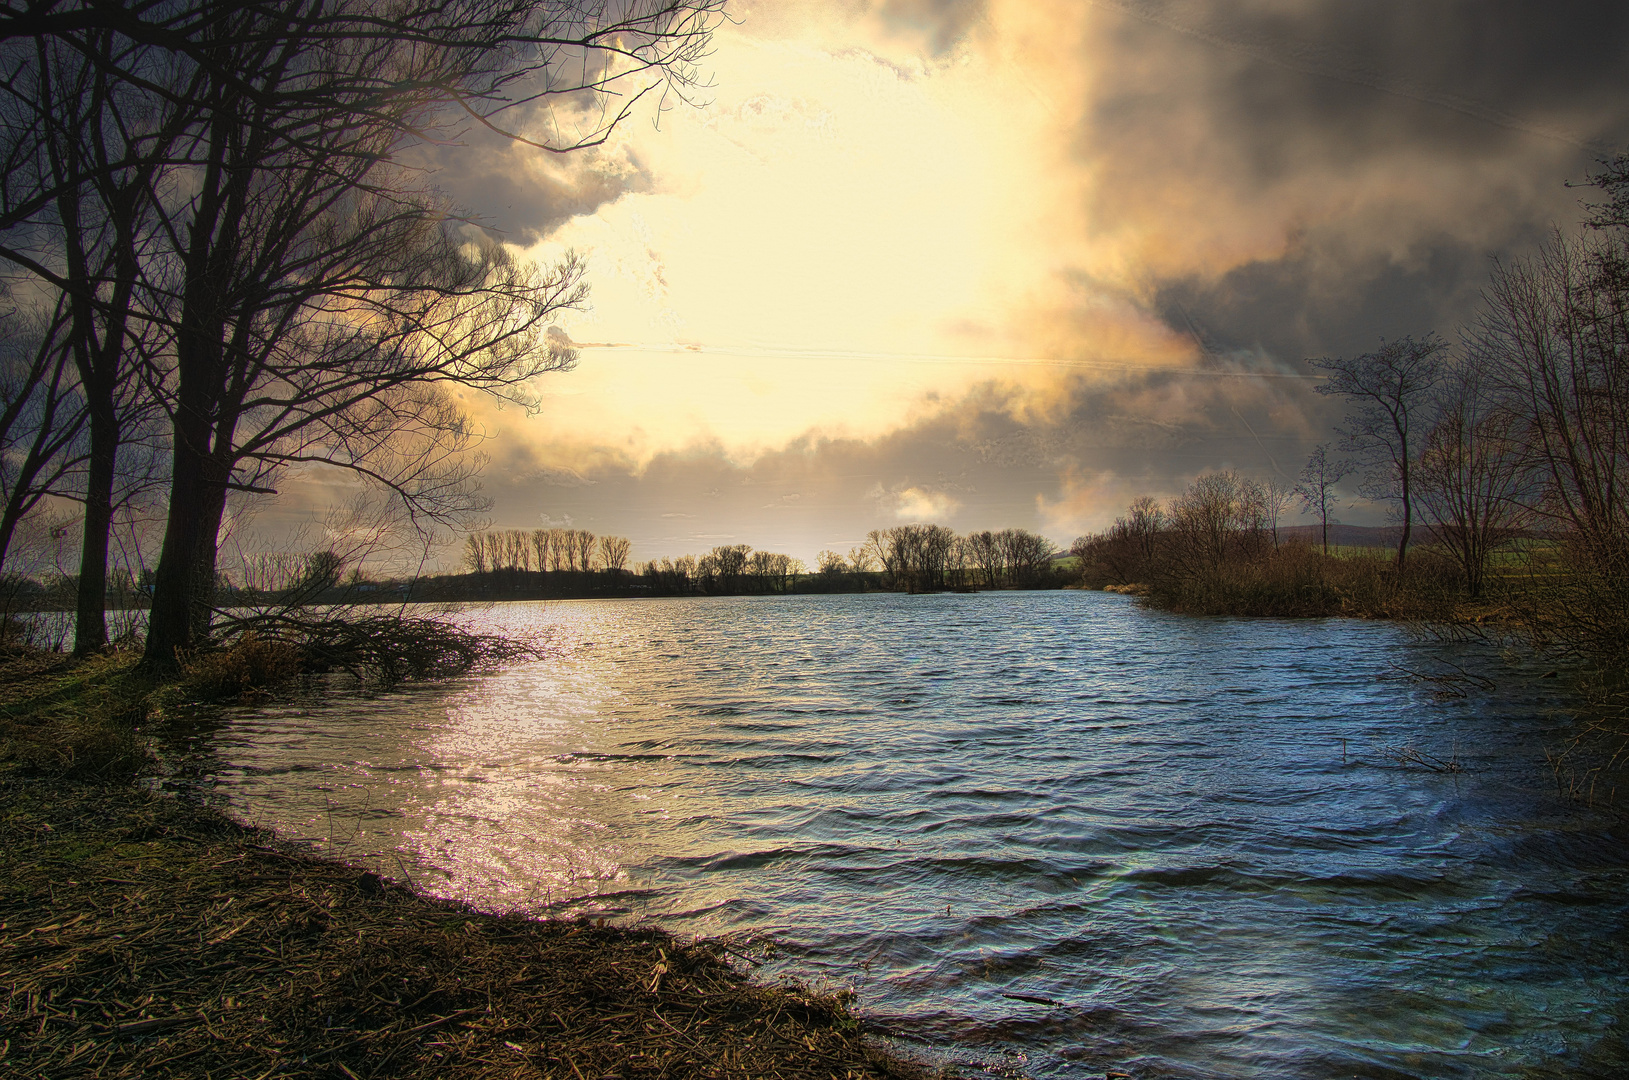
(1190, 843)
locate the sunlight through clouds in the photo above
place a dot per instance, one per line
(1024, 260)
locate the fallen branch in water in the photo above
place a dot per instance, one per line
(257, 651)
(1034, 1000)
(1411, 755)
(1445, 685)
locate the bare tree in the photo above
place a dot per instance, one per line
(684, 570)
(958, 562)
(1612, 178)
(585, 543)
(914, 557)
(1555, 334)
(257, 159)
(41, 418)
(614, 553)
(564, 549)
(986, 555)
(1389, 392)
(1254, 516)
(1127, 551)
(1276, 495)
(724, 565)
(1317, 486)
(475, 554)
(1205, 520)
(1025, 554)
(1471, 473)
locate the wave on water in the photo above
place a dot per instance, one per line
(1050, 833)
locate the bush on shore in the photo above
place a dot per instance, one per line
(80, 719)
(1214, 551)
(1298, 581)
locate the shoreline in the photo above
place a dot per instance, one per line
(140, 936)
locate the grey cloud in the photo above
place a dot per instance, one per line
(1366, 75)
(523, 193)
(1153, 431)
(1458, 123)
(1322, 301)
(556, 476)
(942, 23)
(932, 28)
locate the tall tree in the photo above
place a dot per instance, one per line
(105, 145)
(1317, 486)
(1555, 332)
(41, 416)
(320, 296)
(1389, 394)
(263, 141)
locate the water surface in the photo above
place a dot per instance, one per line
(1188, 834)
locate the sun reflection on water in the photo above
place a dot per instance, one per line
(1176, 830)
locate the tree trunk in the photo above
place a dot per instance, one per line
(1408, 511)
(184, 583)
(90, 619)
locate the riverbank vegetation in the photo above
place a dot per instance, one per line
(146, 935)
(223, 264)
(1210, 552)
(1511, 446)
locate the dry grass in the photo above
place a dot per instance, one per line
(250, 664)
(1299, 582)
(141, 937)
(72, 719)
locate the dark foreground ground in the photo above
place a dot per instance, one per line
(140, 936)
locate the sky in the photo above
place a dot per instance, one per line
(992, 263)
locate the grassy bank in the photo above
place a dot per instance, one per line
(141, 936)
(1300, 581)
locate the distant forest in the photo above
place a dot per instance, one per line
(515, 564)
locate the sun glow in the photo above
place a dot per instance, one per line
(843, 237)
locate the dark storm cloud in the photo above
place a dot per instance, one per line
(1442, 134)
(1316, 303)
(1362, 76)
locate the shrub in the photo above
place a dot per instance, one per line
(249, 664)
(1300, 581)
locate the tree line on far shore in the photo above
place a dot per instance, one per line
(544, 550)
(906, 558)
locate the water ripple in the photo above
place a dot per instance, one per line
(1182, 832)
